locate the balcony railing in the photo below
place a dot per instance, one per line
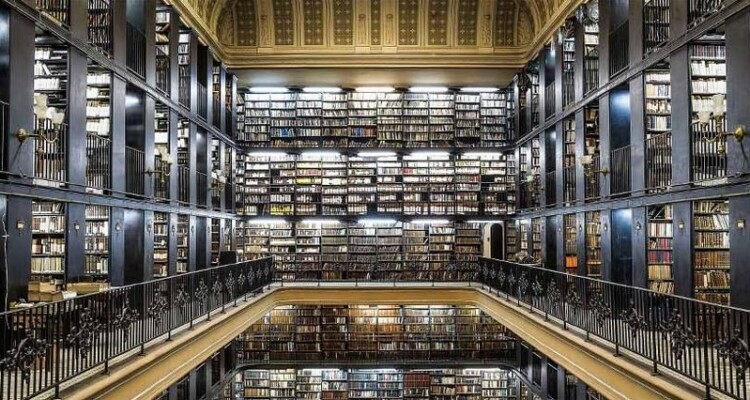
(57, 9)
(50, 156)
(709, 154)
(135, 171)
(701, 341)
(184, 86)
(618, 49)
(201, 182)
(550, 189)
(620, 182)
(100, 25)
(701, 9)
(183, 184)
(202, 100)
(217, 191)
(98, 164)
(658, 162)
(136, 50)
(592, 178)
(162, 71)
(49, 344)
(160, 177)
(216, 107)
(229, 126)
(568, 87)
(549, 100)
(569, 179)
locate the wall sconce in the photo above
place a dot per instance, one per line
(606, 227)
(741, 224)
(580, 228)
(718, 115)
(165, 166)
(681, 225)
(174, 228)
(218, 179)
(638, 226)
(20, 225)
(118, 226)
(76, 227)
(192, 228)
(148, 226)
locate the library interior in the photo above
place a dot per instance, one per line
(374, 199)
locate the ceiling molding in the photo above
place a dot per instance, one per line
(391, 54)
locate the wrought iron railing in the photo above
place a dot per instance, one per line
(658, 162)
(50, 155)
(160, 177)
(57, 9)
(100, 25)
(184, 86)
(569, 182)
(699, 10)
(183, 184)
(98, 164)
(49, 344)
(202, 100)
(217, 191)
(568, 87)
(549, 100)
(356, 268)
(618, 49)
(709, 158)
(216, 109)
(201, 182)
(135, 170)
(3, 129)
(162, 71)
(702, 341)
(592, 176)
(136, 50)
(620, 171)
(655, 24)
(550, 189)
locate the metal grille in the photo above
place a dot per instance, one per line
(201, 181)
(162, 71)
(136, 50)
(709, 157)
(98, 164)
(618, 49)
(659, 162)
(591, 185)
(620, 182)
(183, 183)
(135, 169)
(50, 161)
(569, 179)
(161, 178)
(100, 25)
(701, 9)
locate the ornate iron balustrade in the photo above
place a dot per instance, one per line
(201, 183)
(50, 154)
(98, 163)
(135, 170)
(51, 343)
(620, 182)
(704, 342)
(618, 45)
(136, 50)
(659, 162)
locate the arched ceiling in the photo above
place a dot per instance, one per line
(340, 33)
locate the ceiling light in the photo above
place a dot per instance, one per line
(375, 89)
(376, 221)
(320, 221)
(376, 154)
(320, 154)
(480, 89)
(321, 89)
(430, 221)
(428, 89)
(267, 221)
(268, 89)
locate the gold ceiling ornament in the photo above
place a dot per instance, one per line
(353, 33)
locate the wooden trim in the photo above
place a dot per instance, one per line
(146, 377)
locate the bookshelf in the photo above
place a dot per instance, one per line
(533, 97)
(468, 120)
(442, 249)
(309, 108)
(282, 247)
(416, 250)
(511, 239)
(390, 250)
(590, 56)
(708, 88)
(281, 189)
(162, 31)
(183, 142)
(363, 251)
(570, 230)
(98, 112)
(215, 240)
(389, 185)
(390, 120)
(334, 250)
(536, 239)
(308, 247)
(660, 249)
(48, 238)
(591, 148)
(96, 261)
(442, 121)
(50, 108)
(100, 25)
(711, 250)
(363, 119)
(240, 241)
(56, 9)
(468, 184)
(593, 244)
(568, 67)
(658, 114)
(655, 24)
(361, 186)
(468, 244)
(255, 123)
(569, 161)
(334, 118)
(523, 230)
(161, 244)
(309, 178)
(498, 188)
(257, 239)
(183, 243)
(283, 120)
(216, 93)
(184, 67)
(494, 120)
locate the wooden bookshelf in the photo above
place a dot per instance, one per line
(524, 227)
(568, 66)
(511, 239)
(161, 244)
(494, 120)
(184, 67)
(215, 240)
(570, 230)
(96, 259)
(536, 239)
(708, 88)
(183, 242)
(48, 238)
(569, 161)
(658, 124)
(711, 251)
(590, 56)
(100, 25)
(655, 24)
(98, 126)
(592, 174)
(659, 250)
(282, 247)
(593, 244)
(468, 121)
(50, 122)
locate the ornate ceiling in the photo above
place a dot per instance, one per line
(356, 33)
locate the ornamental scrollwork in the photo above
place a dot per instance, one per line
(241, 279)
(736, 350)
(523, 284)
(181, 299)
(216, 289)
(633, 319)
(681, 336)
(599, 307)
(553, 294)
(82, 335)
(229, 283)
(201, 292)
(250, 277)
(511, 280)
(537, 288)
(125, 318)
(501, 277)
(573, 298)
(24, 356)
(158, 307)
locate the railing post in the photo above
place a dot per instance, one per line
(654, 370)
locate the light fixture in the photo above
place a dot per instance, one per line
(268, 221)
(740, 224)
(376, 154)
(314, 221)
(148, 225)
(76, 226)
(375, 89)
(638, 226)
(118, 226)
(681, 225)
(606, 227)
(428, 89)
(479, 89)
(430, 221)
(321, 89)
(50, 120)
(165, 166)
(20, 225)
(376, 221)
(268, 89)
(717, 115)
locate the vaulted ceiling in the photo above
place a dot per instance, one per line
(356, 33)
